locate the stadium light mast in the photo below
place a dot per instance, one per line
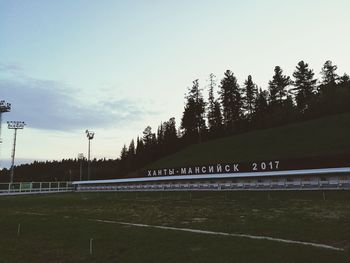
(4, 107)
(90, 136)
(14, 125)
(81, 158)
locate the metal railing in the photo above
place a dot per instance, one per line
(35, 187)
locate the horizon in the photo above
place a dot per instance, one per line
(116, 68)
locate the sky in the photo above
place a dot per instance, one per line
(115, 67)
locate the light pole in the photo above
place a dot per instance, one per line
(90, 136)
(15, 125)
(4, 107)
(81, 158)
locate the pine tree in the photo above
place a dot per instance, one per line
(131, 155)
(328, 89)
(131, 150)
(148, 137)
(305, 86)
(344, 81)
(277, 87)
(329, 77)
(214, 111)
(140, 152)
(170, 136)
(124, 153)
(218, 126)
(250, 91)
(211, 101)
(193, 121)
(260, 108)
(160, 133)
(139, 146)
(150, 145)
(124, 159)
(231, 101)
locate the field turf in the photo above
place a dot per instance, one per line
(58, 227)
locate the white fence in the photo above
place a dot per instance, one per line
(313, 179)
(217, 186)
(35, 187)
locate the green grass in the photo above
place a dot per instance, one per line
(320, 137)
(56, 227)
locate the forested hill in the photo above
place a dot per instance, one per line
(323, 137)
(292, 117)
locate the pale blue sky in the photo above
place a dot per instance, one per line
(117, 66)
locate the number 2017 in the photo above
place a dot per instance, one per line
(266, 166)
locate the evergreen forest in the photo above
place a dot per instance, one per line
(221, 108)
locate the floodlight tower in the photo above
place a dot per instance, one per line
(81, 158)
(14, 125)
(90, 136)
(4, 107)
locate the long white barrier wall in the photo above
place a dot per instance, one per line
(329, 178)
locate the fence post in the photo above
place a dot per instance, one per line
(91, 245)
(18, 230)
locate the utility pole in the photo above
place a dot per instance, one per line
(90, 136)
(14, 125)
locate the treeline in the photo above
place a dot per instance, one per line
(242, 108)
(236, 109)
(64, 170)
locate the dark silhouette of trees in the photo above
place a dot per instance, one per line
(333, 97)
(231, 102)
(167, 140)
(214, 111)
(280, 101)
(140, 151)
(148, 137)
(236, 110)
(344, 81)
(305, 86)
(170, 134)
(64, 170)
(260, 117)
(277, 87)
(193, 122)
(131, 155)
(250, 92)
(124, 159)
(329, 77)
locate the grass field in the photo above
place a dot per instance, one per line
(320, 137)
(58, 227)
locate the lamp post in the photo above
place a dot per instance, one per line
(90, 136)
(81, 158)
(14, 125)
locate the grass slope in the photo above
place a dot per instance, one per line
(56, 227)
(324, 136)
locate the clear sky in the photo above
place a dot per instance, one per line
(115, 67)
